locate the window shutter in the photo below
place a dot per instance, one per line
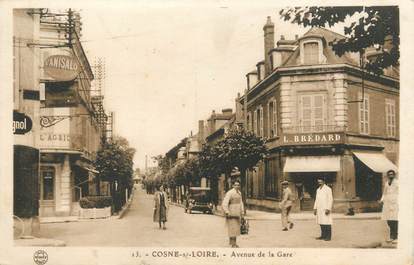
(270, 118)
(261, 121)
(274, 127)
(306, 117)
(318, 117)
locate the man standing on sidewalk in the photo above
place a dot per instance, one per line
(286, 205)
(390, 205)
(322, 209)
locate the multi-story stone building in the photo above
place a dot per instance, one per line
(53, 74)
(322, 115)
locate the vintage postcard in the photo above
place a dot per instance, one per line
(216, 132)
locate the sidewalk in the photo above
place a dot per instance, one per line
(264, 215)
(261, 215)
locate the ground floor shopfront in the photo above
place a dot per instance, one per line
(355, 172)
(64, 178)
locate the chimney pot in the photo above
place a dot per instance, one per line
(282, 37)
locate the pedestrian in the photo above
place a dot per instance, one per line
(390, 205)
(286, 205)
(234, 210)
(160, 206)
(322, 209)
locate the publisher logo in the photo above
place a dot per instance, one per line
(40, 257)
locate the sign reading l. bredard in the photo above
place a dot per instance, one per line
(61, 67)
(313, 138)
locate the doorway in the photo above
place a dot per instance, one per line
(47, 190)
(306, 184)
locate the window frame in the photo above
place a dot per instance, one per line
(364, 119)
(316, 56)
(390, 118)
(312, 120)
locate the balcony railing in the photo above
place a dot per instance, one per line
(314, 129)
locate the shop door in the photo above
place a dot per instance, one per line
(306, 184)
(47, 191)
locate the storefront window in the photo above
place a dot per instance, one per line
(271, 177)
(368, 184)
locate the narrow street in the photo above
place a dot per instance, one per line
(201, 230)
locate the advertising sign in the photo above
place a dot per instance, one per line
(22, 123)
(312, 138)
(61, 67)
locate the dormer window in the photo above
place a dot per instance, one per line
(311, 53)
(311, 49)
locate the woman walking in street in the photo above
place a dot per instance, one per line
(234, 211)
(160, 206)
(390, 205)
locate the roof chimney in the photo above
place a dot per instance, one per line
(269, 43)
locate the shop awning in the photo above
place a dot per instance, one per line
(312, 164)
(377, 161)
(86, 167)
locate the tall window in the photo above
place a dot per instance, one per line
(272, 118)
(47, 183)
(254, 122)
(260, 120)
(311, 51)
(312, 112)
(248, 128)
(390, 117)
(364, 115)
(270, 177)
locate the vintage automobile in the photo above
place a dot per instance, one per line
(199, 199)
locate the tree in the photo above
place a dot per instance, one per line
(114, 161)
(377, 26)
(238, 149)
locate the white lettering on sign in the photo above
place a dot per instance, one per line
(62, 62)
(312, 138)
(19, 125)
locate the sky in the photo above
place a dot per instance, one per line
(168, 67)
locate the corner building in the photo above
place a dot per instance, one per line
(322, 115)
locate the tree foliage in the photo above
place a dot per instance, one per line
(114, 161)
(377, 26)
(239, 148)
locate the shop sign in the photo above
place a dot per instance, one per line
(22, 123)
(61, 67)
(312, 138)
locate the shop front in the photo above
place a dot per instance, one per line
(304, 171)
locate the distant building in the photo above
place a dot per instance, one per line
(322, 115)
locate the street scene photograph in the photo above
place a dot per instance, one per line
(206, 127)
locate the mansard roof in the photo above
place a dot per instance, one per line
(351, 58)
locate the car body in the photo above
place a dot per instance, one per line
(199, 199)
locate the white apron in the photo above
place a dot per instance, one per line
(323, 201)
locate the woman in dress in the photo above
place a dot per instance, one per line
(234, 211)
(160, 207)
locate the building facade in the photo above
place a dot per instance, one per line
(70, 122)
(322, 116)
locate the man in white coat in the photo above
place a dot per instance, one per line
(390, 205)
(322, 209)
